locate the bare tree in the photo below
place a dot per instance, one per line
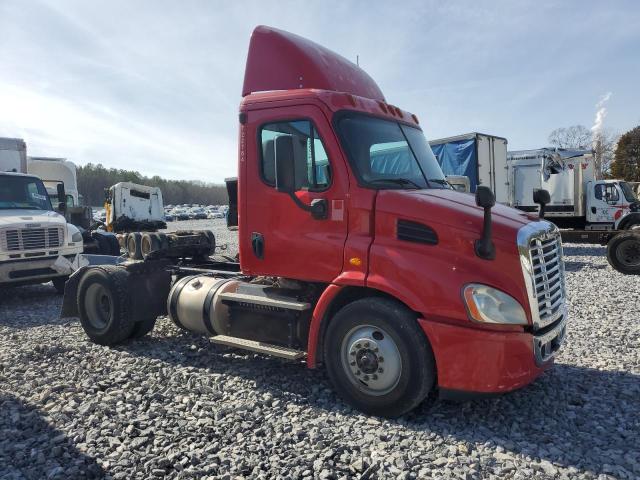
(576, 136)
(602, 143)
(604, 146)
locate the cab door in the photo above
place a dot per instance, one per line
(604, 202)
(278, 237)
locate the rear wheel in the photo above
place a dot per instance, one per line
(377, 357)
(623, 252)
(104, 305)
(150, 242)
(134, 245)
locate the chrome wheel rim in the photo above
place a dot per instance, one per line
(99, 306)
(371, 359)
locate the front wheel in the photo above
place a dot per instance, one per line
(377, 357)
(623, 252)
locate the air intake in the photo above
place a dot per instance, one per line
(416, 233)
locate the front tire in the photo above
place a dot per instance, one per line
(377, 357)
(623, 252)
(104, 305)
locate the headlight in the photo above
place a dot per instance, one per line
(489, 305)
(76, 237)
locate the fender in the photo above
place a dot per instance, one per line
(324, 302)
(628, 219)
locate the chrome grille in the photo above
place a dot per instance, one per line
(540, 249)
(548, 277)
(543, 268)
(31, 238)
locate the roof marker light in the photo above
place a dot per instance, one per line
(383, 107)
(352, 99)
(415, 119)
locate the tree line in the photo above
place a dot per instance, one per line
(616, 156)
(94, 179)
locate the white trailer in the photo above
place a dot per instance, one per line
(13, 155)
(480, 157)
(53, 171)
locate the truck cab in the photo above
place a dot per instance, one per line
(610, 205)
(37, 245)
(131, 207)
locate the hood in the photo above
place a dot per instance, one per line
(35, 218)
(456, 209)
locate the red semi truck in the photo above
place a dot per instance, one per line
(354, 254)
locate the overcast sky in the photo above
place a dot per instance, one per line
(155, 85)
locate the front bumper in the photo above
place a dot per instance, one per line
(36, 269)
(480, 361)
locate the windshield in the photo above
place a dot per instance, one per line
(23, 192)
(628, 192)
(387, 154)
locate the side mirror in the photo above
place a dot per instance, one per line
(285, 164)
(484, 245)
(62, 197)
(485, 197)
(542, 198)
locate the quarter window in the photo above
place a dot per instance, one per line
(313, 170)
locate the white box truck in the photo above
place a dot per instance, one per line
(13, 155)
(579, 200)
(53, 171)
(480, 157)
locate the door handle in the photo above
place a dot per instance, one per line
(257, 244)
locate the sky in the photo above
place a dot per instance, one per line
(155, 85)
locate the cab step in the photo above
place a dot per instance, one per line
(261, 298)
(259, 347)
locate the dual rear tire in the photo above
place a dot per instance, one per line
(104, 307)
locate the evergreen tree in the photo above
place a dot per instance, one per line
(626, 162)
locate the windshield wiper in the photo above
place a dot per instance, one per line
(398, 181)
(440, 181)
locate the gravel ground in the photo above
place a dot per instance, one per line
(173, 405)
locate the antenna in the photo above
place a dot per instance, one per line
(358, 60)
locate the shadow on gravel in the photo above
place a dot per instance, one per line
(575, 266)
(585, 250)
(571, 416)
(30, 306)
(31, 449)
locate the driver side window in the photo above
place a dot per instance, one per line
(606, 193)
(313, 170)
